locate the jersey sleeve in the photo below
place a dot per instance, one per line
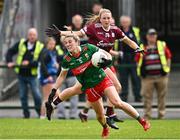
(64, 65)
(119, 34)
(93, 48)
(88, 30)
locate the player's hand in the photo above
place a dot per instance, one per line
(68, 28)
(51, 95)
(104, 63)
(139, 50)
(53, 31)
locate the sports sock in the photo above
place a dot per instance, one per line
(110, 111)
(139, 118)
(56, 101)
(105, 125)
(85, 110)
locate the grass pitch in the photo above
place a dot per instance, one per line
(74, 129)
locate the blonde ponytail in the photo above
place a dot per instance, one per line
(92, 19)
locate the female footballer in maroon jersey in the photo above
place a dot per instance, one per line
(102, 34)
(91, 80)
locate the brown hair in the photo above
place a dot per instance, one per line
(96, 18)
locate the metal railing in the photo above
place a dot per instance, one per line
(173, 96)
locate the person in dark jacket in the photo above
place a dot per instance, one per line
(49, 65)
(128, 57)
(28, 51)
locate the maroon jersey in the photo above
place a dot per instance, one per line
(102, 38)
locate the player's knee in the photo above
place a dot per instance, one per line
(118, 88)
(117, 104)
(100, 117)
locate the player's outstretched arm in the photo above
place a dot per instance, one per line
(133, 45)
(53, 31)
(78, 33)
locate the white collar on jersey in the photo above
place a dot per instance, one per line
(78, 48)
(107, 30)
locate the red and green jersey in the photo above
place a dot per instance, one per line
(81, 66)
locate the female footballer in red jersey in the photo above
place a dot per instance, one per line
(102, 34)
(91, 80)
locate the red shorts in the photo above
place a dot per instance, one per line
(112, 68)
(93, 94)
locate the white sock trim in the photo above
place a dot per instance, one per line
(84, 113)
(112, 115)
(53, 105)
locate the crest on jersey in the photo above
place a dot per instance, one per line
(107, 35)
(113, 35)
(85, 48)
(86, 55)
(67, 58)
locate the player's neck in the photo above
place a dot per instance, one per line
(106, 28)
(76, 52)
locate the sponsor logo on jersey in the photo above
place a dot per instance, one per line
(100, 33)
(104, 44)
(80, 69)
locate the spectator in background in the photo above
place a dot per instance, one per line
(96, 8)
(153, 68)
(128, 57)
(77, 23)
(49, 66)
(113, 22)
(27, 51)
